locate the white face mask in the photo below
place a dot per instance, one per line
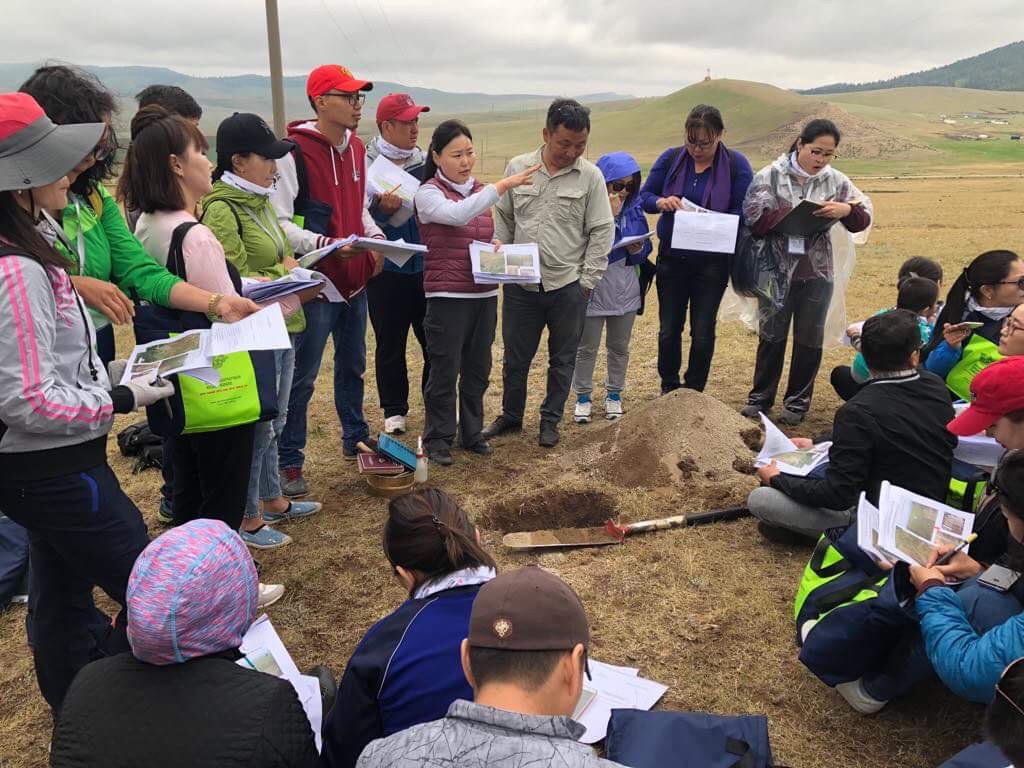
(237, 182)
(463, 189)
(391, 152)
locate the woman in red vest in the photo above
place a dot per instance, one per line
(453, 210)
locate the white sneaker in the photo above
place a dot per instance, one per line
(612, 409)
(394, 425)
(858, 698)
(582, 413)
(269, 594)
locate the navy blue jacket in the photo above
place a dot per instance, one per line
(404, 672)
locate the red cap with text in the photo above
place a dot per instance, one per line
(995, 392)
(399, 106)
(328, 77)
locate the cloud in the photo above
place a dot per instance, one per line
(526, 46)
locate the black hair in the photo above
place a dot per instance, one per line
(526, 669)
(1004, 722)
(18, 229)
(443, 135)
(428, 533)
(917, 294)
(570, 113)
(815, 129)
(919, 266)
(989, 268)
(69, 96)
(704, 118)
(172, 98)
(887, 340)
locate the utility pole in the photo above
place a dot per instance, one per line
(276, 74)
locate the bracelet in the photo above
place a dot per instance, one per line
(211, 306)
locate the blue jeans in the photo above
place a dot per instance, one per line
(264, 479)
(346, 324)
(908, 665)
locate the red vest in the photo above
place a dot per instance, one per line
(338, 179)
(446, 265)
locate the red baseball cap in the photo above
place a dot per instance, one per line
(995, 392)
(328, 76)
(398, 106)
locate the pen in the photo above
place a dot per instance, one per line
(394, 189)
(959, 547)
(170, 414)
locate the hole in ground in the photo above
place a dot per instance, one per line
(549, 510)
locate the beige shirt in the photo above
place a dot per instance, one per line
(567, 214)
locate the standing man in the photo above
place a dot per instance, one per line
(567, 213)
(320, 196)
(397, 301)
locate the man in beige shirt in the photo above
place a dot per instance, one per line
(567, 213)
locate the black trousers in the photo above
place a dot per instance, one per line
(460, 333)
(843, 382)
(697, 284)
(106, 347)
(211, 475)
(83, 532)
(524, 316)
(396, 303)
(806, 306)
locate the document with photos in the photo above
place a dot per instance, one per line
(511, 263)
(384, 177)
(697, 229)
(180, 354)
(783, 451)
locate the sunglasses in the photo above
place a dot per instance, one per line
(105, 147)
(1003, 693)
(620, 186)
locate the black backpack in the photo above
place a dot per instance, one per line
(139, 441)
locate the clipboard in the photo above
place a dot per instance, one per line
(801, 221)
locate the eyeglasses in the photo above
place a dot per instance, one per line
(824, 154)
(701, 145)
(105, 147)
(1019, 282)
(354, 99)
(619, 186)
(1011, 325)
(1003, 693)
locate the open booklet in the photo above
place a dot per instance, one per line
(192, 352)
(263, 650)
(396, 251)
(789, 459)
(612, 687)
(384, 177)
(511, 263)
(263, 291)
(905, 526)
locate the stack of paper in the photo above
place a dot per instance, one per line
(710, 231)
(264, 651)
(384, 177)
(263, 291)
(789, 459)
(612, 688)
(512, 263)
(192, 352)
(907, 527)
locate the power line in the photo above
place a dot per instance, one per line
(341, 31)
(394, 37)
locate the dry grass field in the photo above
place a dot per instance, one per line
(707, 611)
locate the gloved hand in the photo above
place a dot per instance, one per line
(115, 369)
(147, 393)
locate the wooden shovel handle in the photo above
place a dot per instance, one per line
(661, 524)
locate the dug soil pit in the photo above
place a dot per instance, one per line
(553, 509)
(685, 440)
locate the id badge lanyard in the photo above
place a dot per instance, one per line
(275, 235)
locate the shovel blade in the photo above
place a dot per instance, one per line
(565, 537)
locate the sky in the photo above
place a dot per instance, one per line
(645, 48)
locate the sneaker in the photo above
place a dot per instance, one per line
(265, 537)
(752, 411)
(582, 413)
(19, 600)
(394, 425)
(858, 698)
(500, 426)
(613, 408)
(293, 484)
(791, 418)
(165, 513)
(548, 435)
(440, 456)
(295, 510)
(480, 448)
(269, 594)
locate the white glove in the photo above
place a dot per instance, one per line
(147, 393)
(115, 370)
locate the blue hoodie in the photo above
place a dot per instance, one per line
(618, 293)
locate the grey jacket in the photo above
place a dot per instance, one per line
(618, 293)
(475, 736)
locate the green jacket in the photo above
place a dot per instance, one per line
(232, 216)
(111, 252)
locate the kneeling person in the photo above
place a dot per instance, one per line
(525, 658)
(893, 429)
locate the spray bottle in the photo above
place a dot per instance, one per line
(420, 475)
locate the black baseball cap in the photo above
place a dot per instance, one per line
(243, 133)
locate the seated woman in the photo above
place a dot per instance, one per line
(180, 697)
(407, 669)
(986, 292)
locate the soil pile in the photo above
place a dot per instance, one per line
(685, 440)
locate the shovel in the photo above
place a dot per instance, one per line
(613, 533)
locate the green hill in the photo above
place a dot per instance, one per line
(1001, 69)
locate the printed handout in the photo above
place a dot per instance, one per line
(263, 291)
(261, 330)
(697, 229)
(329, 291)
(164, 357)
(512, 263)
(979, 450)
(308, 260)
(632, 240)
(612, 687)
(789, 459)
(383, 177)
